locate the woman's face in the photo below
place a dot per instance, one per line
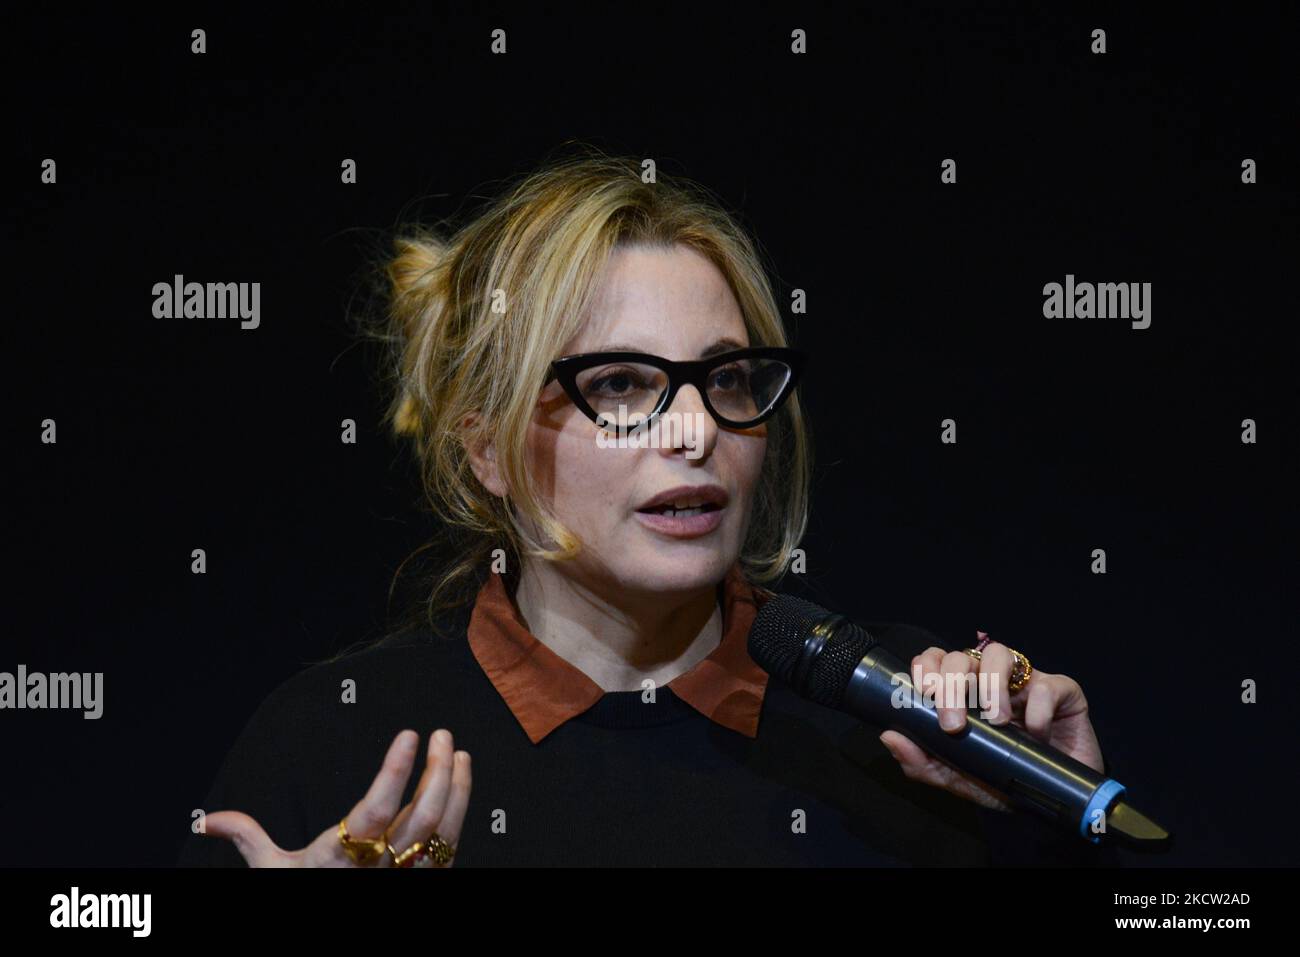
(676, 304)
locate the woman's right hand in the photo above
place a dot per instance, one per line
(438, 806)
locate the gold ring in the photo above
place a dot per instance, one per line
(362, 851)
(439, 850)
(1021, 669)
(409, 856)
(435, 851)
(1021, 672)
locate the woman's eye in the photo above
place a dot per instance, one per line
(729, 379)
(615, 383)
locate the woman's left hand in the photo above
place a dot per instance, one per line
(1050, 707)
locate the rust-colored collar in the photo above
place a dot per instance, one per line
(544, 691)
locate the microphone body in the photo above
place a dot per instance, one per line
(829, 659)
(1032, 774)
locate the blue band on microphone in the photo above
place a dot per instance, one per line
(1100, 800)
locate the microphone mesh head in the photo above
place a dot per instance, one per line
(777, 639)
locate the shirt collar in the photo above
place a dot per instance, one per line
(543, 690)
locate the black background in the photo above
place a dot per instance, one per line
(925, 302)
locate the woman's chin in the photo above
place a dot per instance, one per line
(676, 570)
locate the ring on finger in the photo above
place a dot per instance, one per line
(408, 857)
(440, 852)
(435, 851)
(362, 851)
(1021, 669)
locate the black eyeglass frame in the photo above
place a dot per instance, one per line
(688, 372)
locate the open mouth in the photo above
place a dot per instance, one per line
(674, 512)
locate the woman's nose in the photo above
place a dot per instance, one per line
(693, 426)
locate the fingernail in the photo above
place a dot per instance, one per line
(950, 720)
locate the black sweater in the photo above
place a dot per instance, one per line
(625, 783)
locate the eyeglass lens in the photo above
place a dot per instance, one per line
(738, 390)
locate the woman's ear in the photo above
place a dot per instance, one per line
(482, 454)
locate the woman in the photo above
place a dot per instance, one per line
(587, 640)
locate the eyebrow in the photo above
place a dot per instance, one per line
(722, 345)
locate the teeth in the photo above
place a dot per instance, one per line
(682, 507)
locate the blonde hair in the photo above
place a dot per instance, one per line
(472, 322)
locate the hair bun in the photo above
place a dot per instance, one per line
(416, 277)
(414, 267)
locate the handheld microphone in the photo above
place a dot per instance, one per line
(829, 660)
